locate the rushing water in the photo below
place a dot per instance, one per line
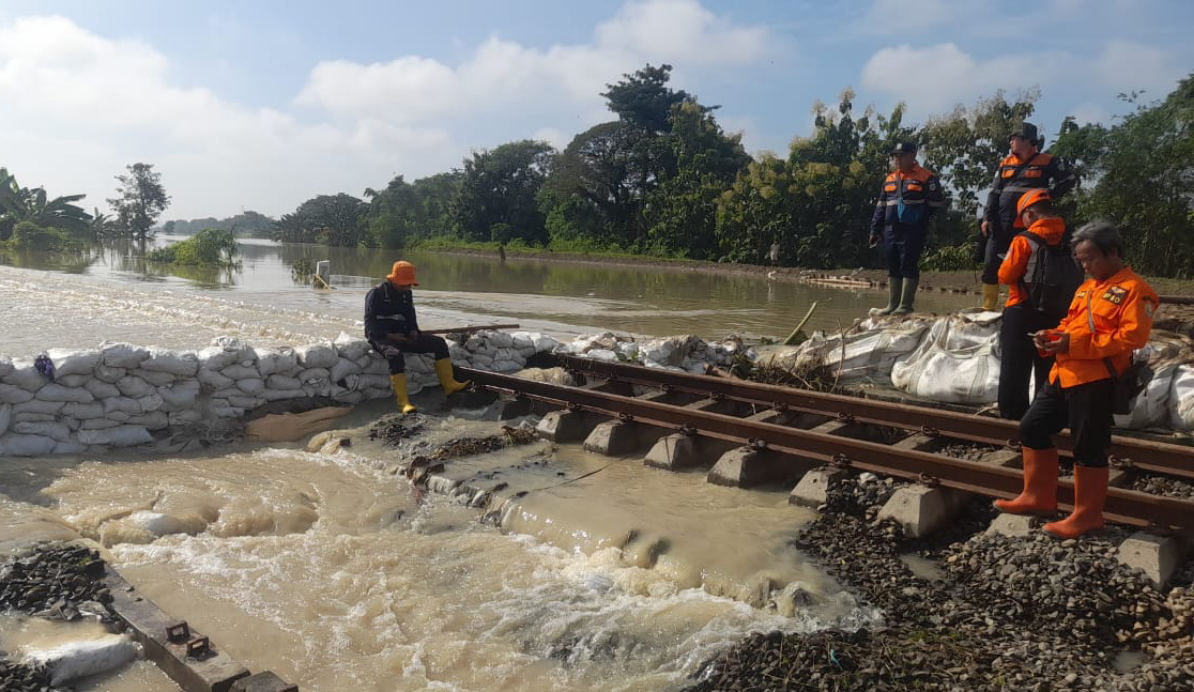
(329, 571)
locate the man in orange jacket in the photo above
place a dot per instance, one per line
(1025, 168)
(1111, 316)
(1041, 275)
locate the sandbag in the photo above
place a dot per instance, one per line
(865, 352)
(73, 362)
(17, 445)
(1181, 398)
(956, 362)
(184, 364)
(279, 361)
(5, 417)
(80, 659)
(56, 392)
(317, 355)
(121, 355)
(351, 347)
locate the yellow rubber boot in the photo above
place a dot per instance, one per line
(990, 296)
(443, 369)
(399, 383)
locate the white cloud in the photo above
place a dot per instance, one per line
(1127, 66)
(938, 77)
(78, 107)
(935, 78)
(501, 73)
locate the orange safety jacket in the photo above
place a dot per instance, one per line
(1015, 264)
(920, 194)
(1107, 319)
(1015, 177)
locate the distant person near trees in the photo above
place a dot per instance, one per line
(392, 329)
(1110, 316)
(1042, 275)
(909, 198)
(1025, 168)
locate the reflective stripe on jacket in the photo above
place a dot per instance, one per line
(1043, 171)
(1121, 312)
(389, 311)
(1015, 264)
(920, 193)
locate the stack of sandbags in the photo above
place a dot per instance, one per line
(686, 352)
(958, 361)
(500, 351)
(122, 395)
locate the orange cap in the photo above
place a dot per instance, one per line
(403, 274)
(1032, 197)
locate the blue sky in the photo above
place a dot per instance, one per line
(261, 105)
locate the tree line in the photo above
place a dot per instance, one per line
(663, 178)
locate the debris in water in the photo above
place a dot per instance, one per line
(391, 430)
(467, 446)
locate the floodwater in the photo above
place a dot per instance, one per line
(331, 572)
(562, 298)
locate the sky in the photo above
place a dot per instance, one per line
(261, 105)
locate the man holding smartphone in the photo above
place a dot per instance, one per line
(1110, 316)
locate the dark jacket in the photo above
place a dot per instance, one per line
(920, 193)
(1012, 181)
(389, 311)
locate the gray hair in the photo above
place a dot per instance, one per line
(1104, 235)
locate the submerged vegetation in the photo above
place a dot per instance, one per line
(209, 247)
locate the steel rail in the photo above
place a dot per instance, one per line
(1123, 506)
(1147, 455)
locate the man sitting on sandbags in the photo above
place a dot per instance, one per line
(392, 329)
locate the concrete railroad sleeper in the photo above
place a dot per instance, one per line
(1123, 506)
(1145, 455)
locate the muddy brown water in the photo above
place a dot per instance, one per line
(331, 572)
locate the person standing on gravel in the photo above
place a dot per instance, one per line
(1042, 275)
(1110, 316)
(1025, 168)
(909, 198)
(392, 329)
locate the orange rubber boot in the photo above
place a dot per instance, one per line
(1090, 494)
(1040, 484)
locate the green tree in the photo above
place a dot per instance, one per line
(330, 219)
(394, 214)
(681, 214)
(500, 187)
(816, 204)
(1142, 170)
(140, 200)
(33, 205)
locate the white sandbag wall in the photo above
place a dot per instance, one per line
(122, 395)
(688, 353)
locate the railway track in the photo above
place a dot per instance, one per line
(798, 430)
